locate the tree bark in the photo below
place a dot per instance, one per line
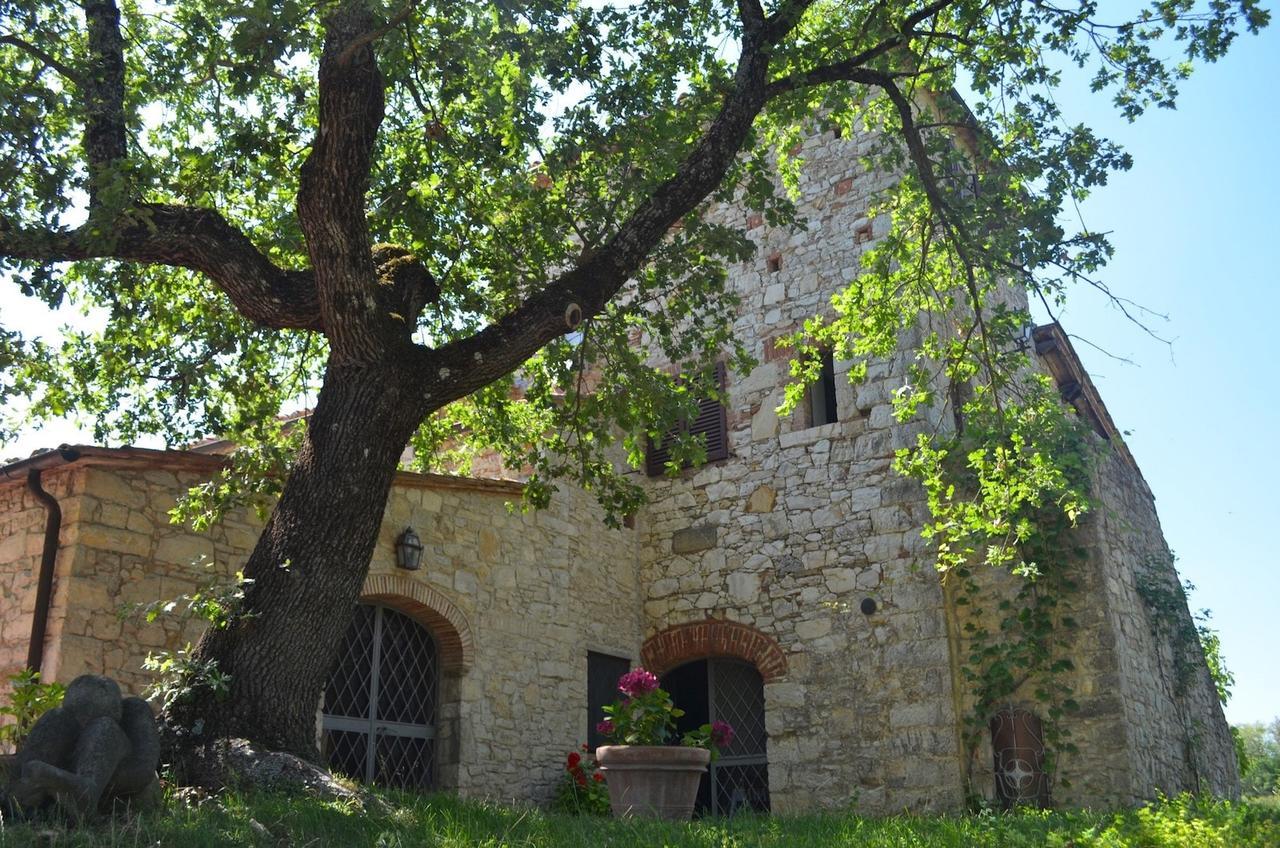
(309, 564)
(307, 568)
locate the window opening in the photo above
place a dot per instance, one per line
(711, 422)
(603, 671)
(822, 394)
(1017, 745)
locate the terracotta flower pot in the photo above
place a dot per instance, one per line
(652, 781)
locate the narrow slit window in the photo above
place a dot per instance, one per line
(774, 263)
(822, 394)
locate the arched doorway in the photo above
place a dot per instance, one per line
(379, 717)
(732, 690)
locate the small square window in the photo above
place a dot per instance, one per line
(774, 263)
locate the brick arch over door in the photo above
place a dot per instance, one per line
(429, 608)
(714, 638)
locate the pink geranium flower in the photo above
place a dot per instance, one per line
(637, 682)
(721, 734)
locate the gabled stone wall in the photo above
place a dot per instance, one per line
(1177, 738)
(801, 525)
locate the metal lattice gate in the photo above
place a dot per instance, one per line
(379, 712)
(740, 775)
(726, 690)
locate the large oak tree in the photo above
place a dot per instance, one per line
(406, 205)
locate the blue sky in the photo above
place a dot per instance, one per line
(1194, 224)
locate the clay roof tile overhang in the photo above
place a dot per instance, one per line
(184, 460)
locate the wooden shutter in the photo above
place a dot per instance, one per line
(656, 457)
(711, 421)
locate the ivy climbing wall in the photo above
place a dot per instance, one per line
(1176, 736)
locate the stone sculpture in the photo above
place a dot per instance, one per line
(95, 749)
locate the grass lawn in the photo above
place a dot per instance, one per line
(274, 820)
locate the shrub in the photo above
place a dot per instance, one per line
(581, 790)
(28, 700)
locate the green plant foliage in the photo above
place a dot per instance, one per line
(486, 167)
(411, 820)
(515, 144)
(28, 700)
(645, 715)
(1194, 643)
(581, 790)
(1260, 763)
(180, 675)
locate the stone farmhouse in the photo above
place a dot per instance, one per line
(783, 586)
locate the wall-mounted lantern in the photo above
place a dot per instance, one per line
(408, 550)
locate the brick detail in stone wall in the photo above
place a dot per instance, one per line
(429, 608)
(714, 638)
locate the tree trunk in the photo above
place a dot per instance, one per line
(307, 569)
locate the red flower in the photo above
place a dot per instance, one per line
(598, 777)
(721, 734)
(574, 759)
(581, 779)
(637, 682)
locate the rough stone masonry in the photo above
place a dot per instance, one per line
(798, 557)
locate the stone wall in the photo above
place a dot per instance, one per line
(122, 553)
(801, 524)
(22, 527)
(539, 590)
(1097, 773)
(515, 599)
(1177, 737)
(1141, 726)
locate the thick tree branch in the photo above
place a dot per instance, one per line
(45, 58)
(184, 237)
(161, 234)
(368, 38)
(953, 225)
(752, 16)
(783, 20)
(331, 197)
(105, 141)
(461, 367)
(841, 71)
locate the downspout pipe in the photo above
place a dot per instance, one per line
(48, 560)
